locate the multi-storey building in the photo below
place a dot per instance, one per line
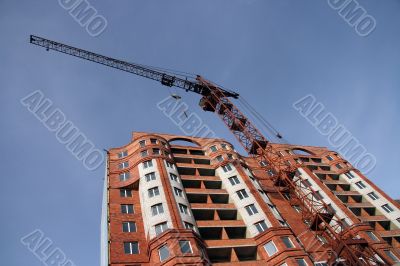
(172, 200)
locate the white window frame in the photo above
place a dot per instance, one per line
(188, 225)
(159, 253)
(178, 192)
(123, 165)
(213, 148)
(242, 194)
(159, 209)
(227, 168)
(162, 226)
(125, 194)
(185, 242)
(126, 208)
(124, 176)
(360, 185)
(153, 192)
(234, 180)
(142, 143)
(150, 176)
(131, 229)
(261, 226)
(131, 247)
(290, 241)
(173, 177)
(183, 209)
(122, 154)
(219, 158)
(251, 209)
(147, 164)
(144, 153)
(273, 245)
(373, 195)
(387, 208)
(301, 259)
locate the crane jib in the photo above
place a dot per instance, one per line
(163, 78)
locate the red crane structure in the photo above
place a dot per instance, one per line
(349, 248)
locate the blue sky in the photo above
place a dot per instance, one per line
(271, 52)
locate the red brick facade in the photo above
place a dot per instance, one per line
(224, 229)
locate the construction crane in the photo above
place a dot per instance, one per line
(322, 219)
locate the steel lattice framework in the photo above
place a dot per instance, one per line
(319, 216)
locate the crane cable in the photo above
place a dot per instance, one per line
(263, 121)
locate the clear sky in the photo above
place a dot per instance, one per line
(271, 52)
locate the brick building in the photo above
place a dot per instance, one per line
(172, 200)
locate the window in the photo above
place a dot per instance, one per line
(163, 252)
(156, 151)
(122, 154)
(261, 226)
(227, 168)
(230, 156)
(127, 208)
(391, 255)
(150, 176)
(251, 209)
(372, 236)
(270, 248)
(154, 191)
(213, 148)
(189, 225)
(224, 146)
(123, 165)
(125, 193)
(219, 158)
(157, 209)
(173, 177)
(153, 141)
(170, 165)
(186, 248)
(329, 158)
(360, 185)
(143, 153)
(263, 163)
(373, 196)
(142, 143)
(234, 180)
(338, 166)
(306, 183)
(131, 247)
(178, 192)
(301, 262)
(183, 209)
(161, 227)
(317, 195)
(242, 194)
(128, 227)
(387, 208)
(124, 176)
(349, 175)
(287, 196)
(297, 208)
(288, 243)
(147, 164)
(398, 220)
(322, 239)
(270, 172)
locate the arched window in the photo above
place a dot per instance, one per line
(183, 142)
(299, 151)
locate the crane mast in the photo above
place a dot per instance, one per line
(323, 220)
